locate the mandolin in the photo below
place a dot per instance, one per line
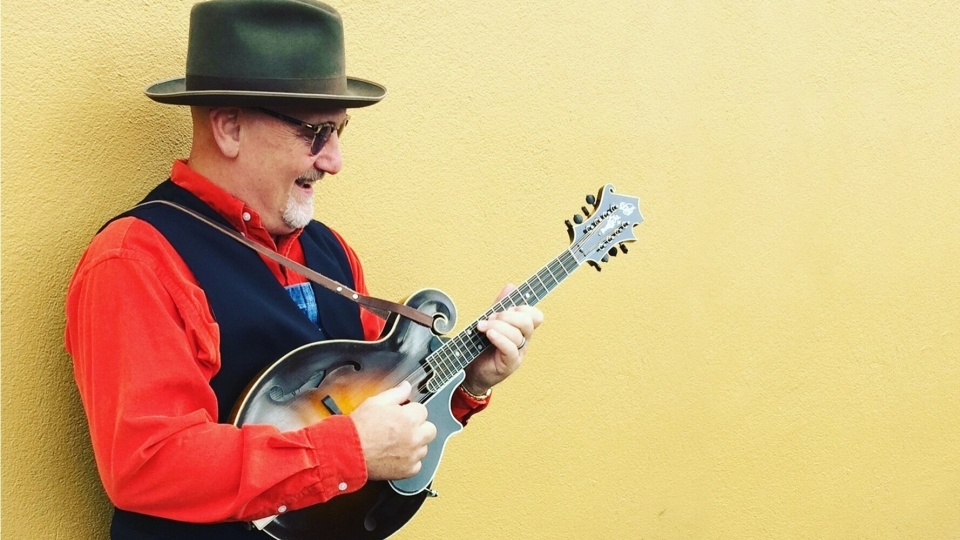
(333, 377)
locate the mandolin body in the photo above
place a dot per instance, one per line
(321, 379)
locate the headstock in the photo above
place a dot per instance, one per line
(596, 234)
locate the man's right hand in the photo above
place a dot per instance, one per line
(394, 434)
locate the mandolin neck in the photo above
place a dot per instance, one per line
(466, 346)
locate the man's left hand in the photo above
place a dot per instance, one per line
(510, 332)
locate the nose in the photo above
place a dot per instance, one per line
(330, 160)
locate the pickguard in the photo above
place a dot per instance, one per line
(440, 413)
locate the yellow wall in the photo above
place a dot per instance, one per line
(777, 357)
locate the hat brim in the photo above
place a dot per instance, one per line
(360, 93)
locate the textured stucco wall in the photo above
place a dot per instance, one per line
(777, 357)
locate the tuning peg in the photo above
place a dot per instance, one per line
(591, 199)
(613, 252)
(585, 211)
(623, 248)
(578, 219)
(605, 258)
(568, 224)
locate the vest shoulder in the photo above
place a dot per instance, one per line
(130, 252)
(127, 234)
(317, 227)
(321, 230)
(129, 238)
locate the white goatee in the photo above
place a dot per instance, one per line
(299, 209)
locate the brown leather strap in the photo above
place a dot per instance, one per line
(377, 305)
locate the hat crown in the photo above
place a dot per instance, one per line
(266, 45)
(266, 53)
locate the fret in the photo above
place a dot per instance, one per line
(543, 287)
(466, 346)
(528, 293)
(553, 281)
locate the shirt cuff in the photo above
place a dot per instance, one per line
(341, 467)
(464, 406)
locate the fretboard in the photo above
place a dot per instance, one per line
(463, 348)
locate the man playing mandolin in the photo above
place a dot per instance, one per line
(169, 320)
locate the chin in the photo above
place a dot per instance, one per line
(298, 215)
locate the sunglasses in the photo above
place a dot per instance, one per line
(321, 132)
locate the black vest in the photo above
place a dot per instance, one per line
(259, 322)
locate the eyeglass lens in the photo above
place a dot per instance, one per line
(326, 130)
(320, 139)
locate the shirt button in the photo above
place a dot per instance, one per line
(342, 486)
(282, 509)
(246, 216)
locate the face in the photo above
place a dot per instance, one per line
(281, 172)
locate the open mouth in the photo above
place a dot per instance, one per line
(305, 183)
(307, 179)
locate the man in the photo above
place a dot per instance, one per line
(168, 319)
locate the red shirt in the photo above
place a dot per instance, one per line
(145, 346)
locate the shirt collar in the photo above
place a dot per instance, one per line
(236, 212)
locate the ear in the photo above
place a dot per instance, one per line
(225, 127)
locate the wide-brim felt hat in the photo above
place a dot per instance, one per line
(260, 53)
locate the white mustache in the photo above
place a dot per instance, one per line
(311, 176)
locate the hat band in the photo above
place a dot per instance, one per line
(336, 85)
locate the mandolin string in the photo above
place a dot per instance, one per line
(469, 333)
(475, 338)
(513, 299)
(443, 354)
(556, 264)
